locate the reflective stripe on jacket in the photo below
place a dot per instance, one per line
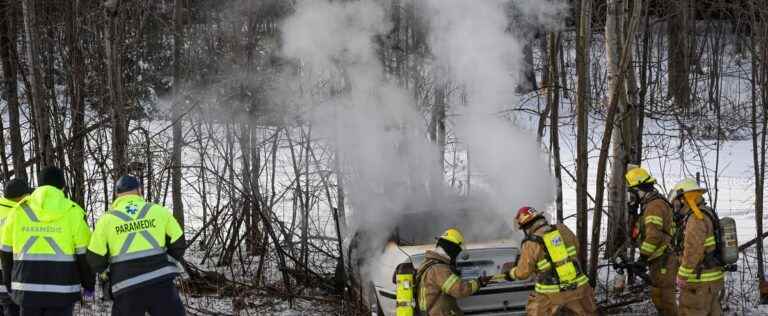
(699, 241)
(133, 240)
(440, 287)
(45, 237)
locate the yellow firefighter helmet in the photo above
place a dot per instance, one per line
(685, 186)
(453, 235)
(637, 175)
(690, 190)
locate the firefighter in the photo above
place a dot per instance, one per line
(140, 244)
(15, 191)
(549, 252)
(439, 285)
(701, 276)
(43, 250)
(655, 228)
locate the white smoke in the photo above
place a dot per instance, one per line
(372, 123)
(392, 169)
(471, 40)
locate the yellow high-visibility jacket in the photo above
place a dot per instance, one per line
(139, 242)
(43, 250)
(6, 206)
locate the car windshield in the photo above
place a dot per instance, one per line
(421, 228)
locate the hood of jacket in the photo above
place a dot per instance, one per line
(48, 203)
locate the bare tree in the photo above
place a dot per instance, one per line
(39, 99)
(679, 30)
(618, 61)
(178, 42)
(759, 82)
(9, 59)
(113, 37)
(75, 83)
(553, 101)
(582, 128)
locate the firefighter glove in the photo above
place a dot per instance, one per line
(507, 267)
(640, 267)
(643, 260)
(500, 277)
(484, 280)
(681, 283)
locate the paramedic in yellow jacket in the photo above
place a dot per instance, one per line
(655, 228)
(43, 250)
(140, 243)
(700, 277)
(549, 253)
(439, 286)
(15, 190)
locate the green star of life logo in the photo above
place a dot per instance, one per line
(131, 208)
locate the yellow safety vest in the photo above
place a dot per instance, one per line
(562, 256)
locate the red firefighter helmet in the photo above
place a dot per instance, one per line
(526, 215)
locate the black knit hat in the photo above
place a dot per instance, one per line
(52, 176)
(16, 188)
(127, 184)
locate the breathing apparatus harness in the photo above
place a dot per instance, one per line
(569, 268)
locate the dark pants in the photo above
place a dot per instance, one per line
(159, 299)
(9, 307)
(47, 311)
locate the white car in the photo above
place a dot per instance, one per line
(479, 258)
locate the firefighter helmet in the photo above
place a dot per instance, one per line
(526, 215)
(454, 236)
(637, 175)
(685, 186)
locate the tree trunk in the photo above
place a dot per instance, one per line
(618, 61)
(38, 100)
(623, 138)
(114, 48)
(645, 67)
(679, 61)
(582, 131)
(437, 121)
(553, 101)
(8, 55)
(76, 96)
(178, 42)
(759, 127)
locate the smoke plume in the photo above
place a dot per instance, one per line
(392, 170)
(477, 44)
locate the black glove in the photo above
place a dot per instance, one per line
(643, 260)
(640, 267)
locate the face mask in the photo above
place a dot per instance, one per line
(676, 205)
(633, 201)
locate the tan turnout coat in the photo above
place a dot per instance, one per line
(440, 287)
